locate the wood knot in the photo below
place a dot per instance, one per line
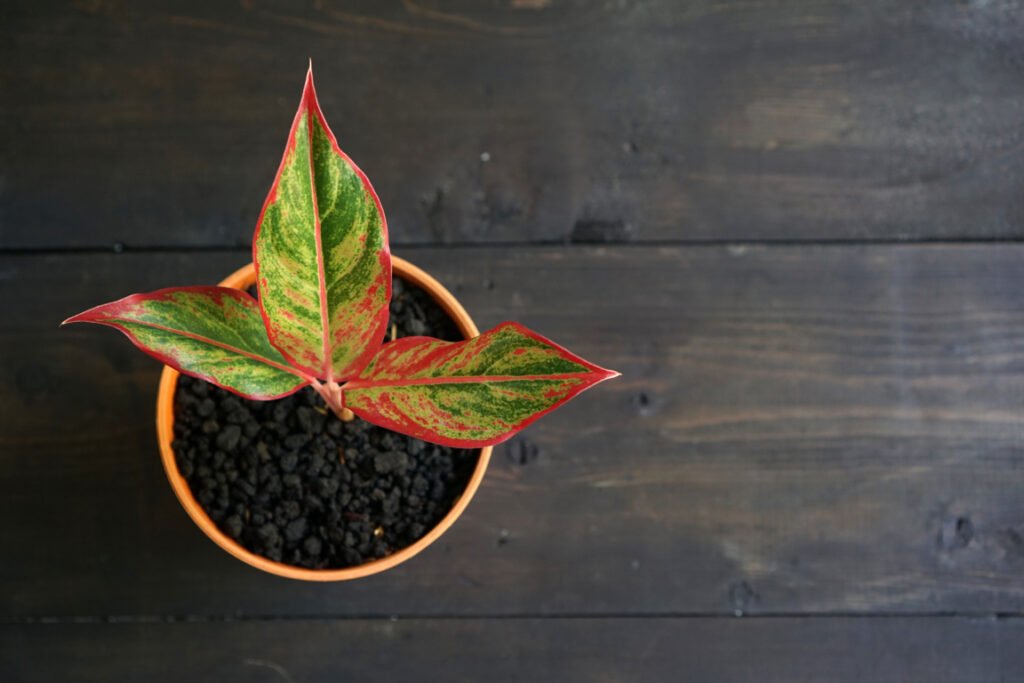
(956, 533)
(521, 451)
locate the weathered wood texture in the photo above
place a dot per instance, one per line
(801, 650)
(161, 123)
(797, 429)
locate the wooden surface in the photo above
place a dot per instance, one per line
(160, 123)
(787, 650)
(793, 227)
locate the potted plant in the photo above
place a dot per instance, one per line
(306, 434)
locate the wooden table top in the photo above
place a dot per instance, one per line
(795, 228)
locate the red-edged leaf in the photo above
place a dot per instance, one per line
(214, 333)
(471, 393)
(321, 253)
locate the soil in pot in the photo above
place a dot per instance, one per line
(291, 482)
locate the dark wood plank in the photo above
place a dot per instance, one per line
(797, 429)
(797, 650)
(161, 123)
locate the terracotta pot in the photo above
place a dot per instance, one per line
(241, 279)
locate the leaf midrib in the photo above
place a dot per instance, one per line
(327, 356)
(466, 379)
(219, 344)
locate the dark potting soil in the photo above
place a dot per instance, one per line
(290, 481)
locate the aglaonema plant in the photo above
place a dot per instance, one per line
(323, 273)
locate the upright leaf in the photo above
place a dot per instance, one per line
(472, 393)
(214, 333)
(321, 253)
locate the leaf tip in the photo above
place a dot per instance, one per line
(308, 90)
(77, 318)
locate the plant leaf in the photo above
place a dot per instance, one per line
(471, 393)
(214, 333)
(321, 253)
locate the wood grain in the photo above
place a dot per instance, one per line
(794, 650)
(157, 124)
(797, 430)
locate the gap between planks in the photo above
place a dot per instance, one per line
(614, 616)
(119, 248)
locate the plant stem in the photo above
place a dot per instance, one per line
(331, 393)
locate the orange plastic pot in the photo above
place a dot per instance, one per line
(246, 277)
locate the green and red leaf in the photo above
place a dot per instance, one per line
(472, 393)
(321, 253)
(214, 333)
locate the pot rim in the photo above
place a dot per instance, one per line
(240, 279)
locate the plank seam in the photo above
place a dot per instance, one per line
(119, 248)
(611, 616)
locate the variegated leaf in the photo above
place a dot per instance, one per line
(214, 333)
(321, 253)
(471, 393)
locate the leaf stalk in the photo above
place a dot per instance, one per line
(331, 394)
